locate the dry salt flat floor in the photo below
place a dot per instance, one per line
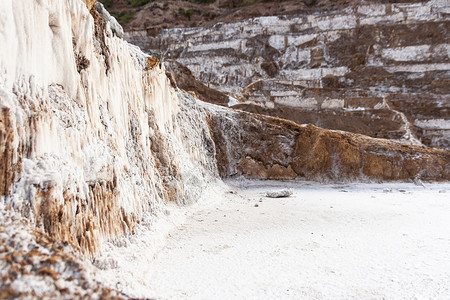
(326, 241)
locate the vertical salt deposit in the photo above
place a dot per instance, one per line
(91, 136)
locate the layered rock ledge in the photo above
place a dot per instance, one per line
(257, 146)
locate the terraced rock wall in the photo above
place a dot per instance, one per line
(379, 69)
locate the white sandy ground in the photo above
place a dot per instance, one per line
(351, 241)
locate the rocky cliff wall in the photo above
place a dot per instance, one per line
(379, 69)
(92, 135)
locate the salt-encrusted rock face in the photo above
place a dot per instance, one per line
(91, 136)
(35, 265)
(115, 26)
(379, 69)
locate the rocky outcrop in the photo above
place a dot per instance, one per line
(382, 65)
(257, 146)
(186, 81)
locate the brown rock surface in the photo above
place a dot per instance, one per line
(6, 151)
(388, 125)
(186, 81)
(263, 147)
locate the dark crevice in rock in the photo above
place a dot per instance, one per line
(99, 31)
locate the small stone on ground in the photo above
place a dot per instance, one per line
(280, 194)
